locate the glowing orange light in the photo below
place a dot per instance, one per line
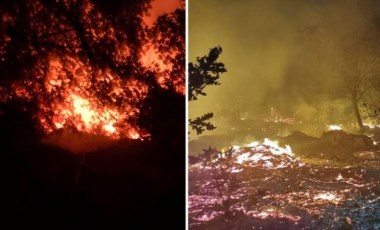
(334, 127)
(92, 101)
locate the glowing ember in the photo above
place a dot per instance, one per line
(209, 216)
(276, 149)
(243, 157)
(339, 177)
(235, 147)
(371, 126)
(284, 189)
(325, 196)
(274, 214)
(267, 154)
(334, 127)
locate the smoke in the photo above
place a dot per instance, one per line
(279, 54)
(159, 7)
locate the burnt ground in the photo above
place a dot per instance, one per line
(123, 185)
(262, 190)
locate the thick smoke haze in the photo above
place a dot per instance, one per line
(285, 55)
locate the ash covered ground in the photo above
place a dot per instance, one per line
(265, 186)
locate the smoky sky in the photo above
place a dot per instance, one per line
(159, 8)
(269, 62)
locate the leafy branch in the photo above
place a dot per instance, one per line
(206, 71)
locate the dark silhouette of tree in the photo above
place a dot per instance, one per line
(371, 102)
(201, 124)
(101, 38)
(168, 36)
(164, 111)
(356, 71)
(206, 71)
(90, 29)
(353, 54)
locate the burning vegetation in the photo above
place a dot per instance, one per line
(90, 67)
(92, 102)
(302, 85)
(265, 186)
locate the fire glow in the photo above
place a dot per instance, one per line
(282, 183)
(334, 127)
(262, 152)
(267, 154)
(91, 77)
(325, 196)
(75, 96)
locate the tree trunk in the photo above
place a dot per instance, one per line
(357, 114)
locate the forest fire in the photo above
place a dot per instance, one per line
(323, 100)
(74, 95)
(262, 154)
(88, 75)
(92, 107)
(263, 183)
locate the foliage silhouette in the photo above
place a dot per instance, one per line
(206, 71)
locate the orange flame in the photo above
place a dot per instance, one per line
(71, 93)
(74, 95)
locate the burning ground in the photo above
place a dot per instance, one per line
(264, 186)
(289, 71)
